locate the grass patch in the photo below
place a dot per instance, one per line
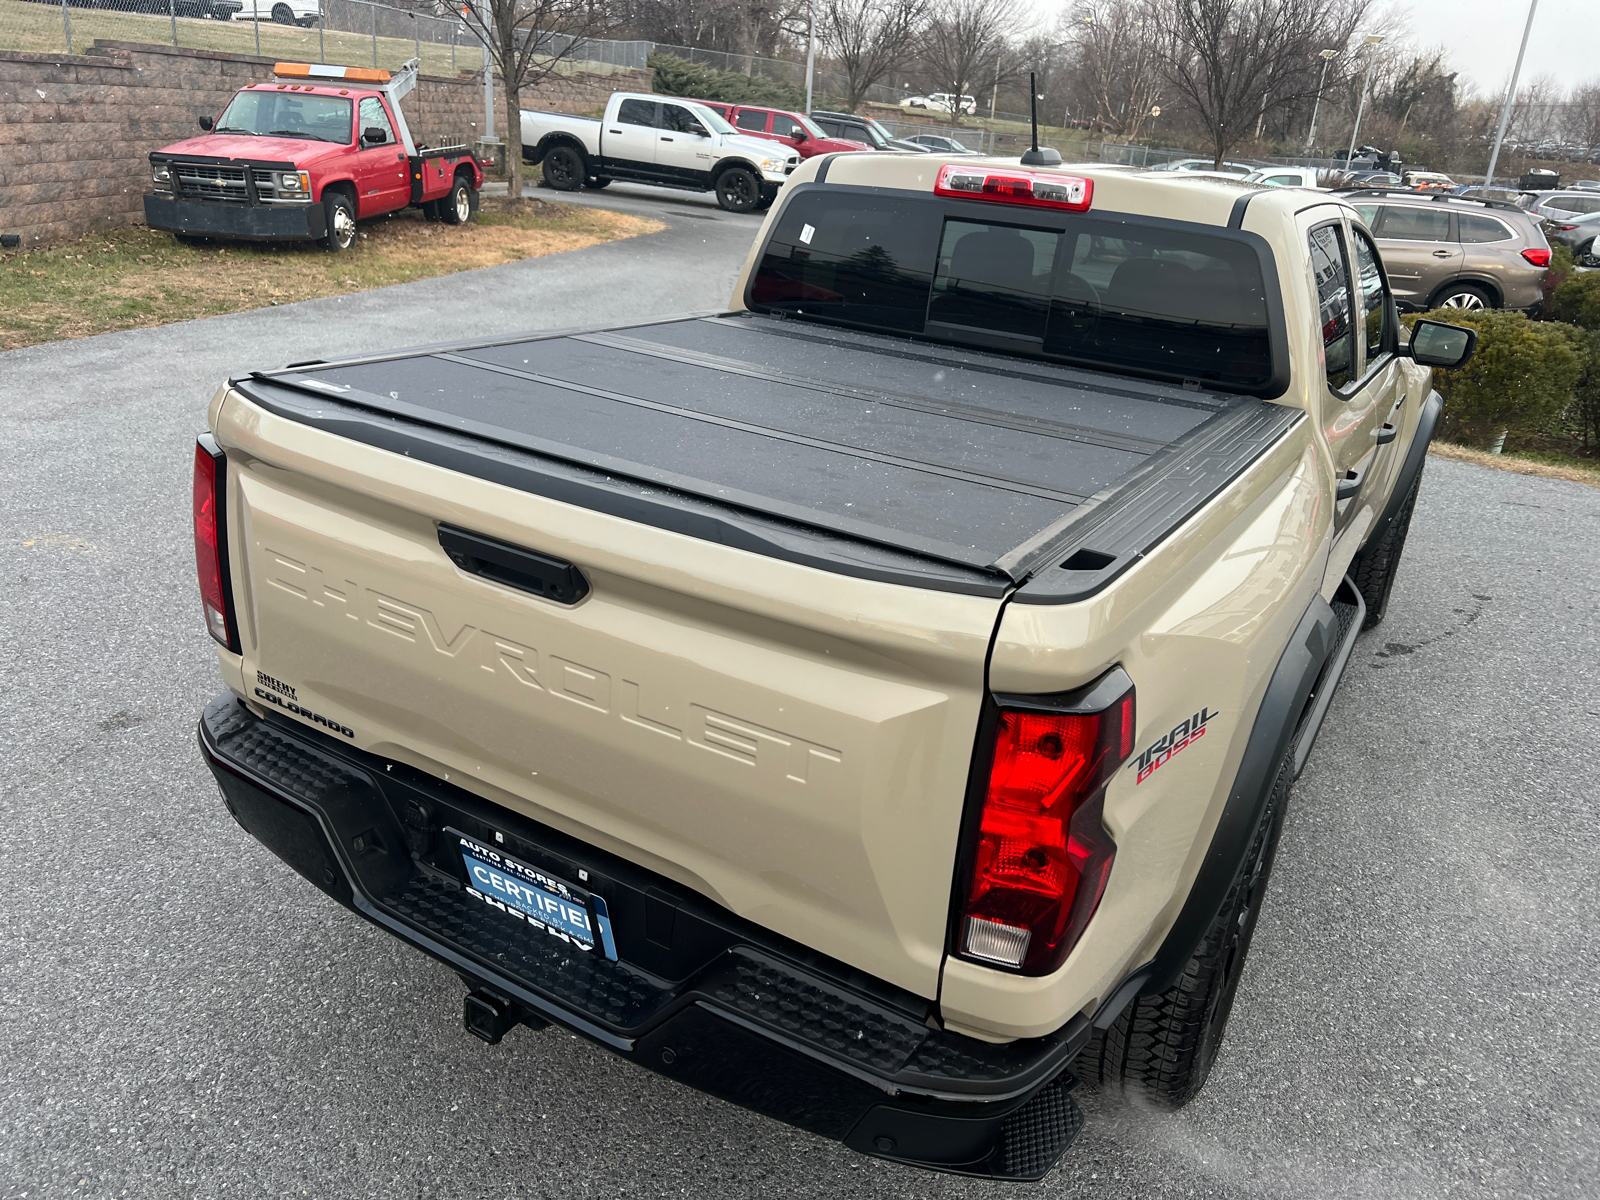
(1546, 464)
(134, 277)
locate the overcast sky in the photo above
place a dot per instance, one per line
(1482, 36)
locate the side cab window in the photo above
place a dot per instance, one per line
(1375, 306)
(753, 119)
(1330, 269)
(638, 112)
(373, 117)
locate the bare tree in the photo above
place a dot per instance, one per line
(867, 39)
(1116, 49)
(1230, 60)
(960, 38)
(1581, 122)
(528, 40)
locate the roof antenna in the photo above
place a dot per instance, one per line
(1033, 156)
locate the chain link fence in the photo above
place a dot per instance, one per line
(342, 32)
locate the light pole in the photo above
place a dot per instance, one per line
(1372, 39)
(1327, 56)
(1511, 91)
(811, 50)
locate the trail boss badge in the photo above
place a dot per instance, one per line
(1180, 736)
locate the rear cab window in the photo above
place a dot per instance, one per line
(1112, 291)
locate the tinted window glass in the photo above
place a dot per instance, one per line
(637, 112)
(853, 259)
(995, 278)
(325, 118)
(373, 117)
(1373, 293)
(751, 118)
(1098, 292)
(1369, 213)
(788, 127)
(1415, 224)
(1482, 229)
(1283, 180)
(1581, 204)
(677, 119)
(1333, 299)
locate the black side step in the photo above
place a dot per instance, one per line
(1349, 609)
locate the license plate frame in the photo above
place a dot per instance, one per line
(537, 898)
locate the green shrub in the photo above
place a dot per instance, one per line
(679, 77)
(1584, 415)
(1521, 378)
(1577, 300)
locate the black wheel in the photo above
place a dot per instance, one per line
(1161, 1049)
(457, 207)
(597, 183)
(1374, 566)
(564, 169)
(283, 14)
(306, 23)
(1464, 295)
(341, 222)
(738, 190)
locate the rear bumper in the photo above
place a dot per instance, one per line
(265, 222)
(695, 994)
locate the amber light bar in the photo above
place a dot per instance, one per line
(1001, 185)
(285, 70)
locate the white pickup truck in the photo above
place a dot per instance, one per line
(667, 142)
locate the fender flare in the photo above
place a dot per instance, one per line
(1284, 703)
(1416, 455)
(731, 161)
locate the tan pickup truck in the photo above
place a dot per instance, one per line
(875, 704)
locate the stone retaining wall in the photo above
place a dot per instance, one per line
(76, 130)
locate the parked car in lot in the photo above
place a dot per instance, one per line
(1578, 235)
(217, 10)
(284, 12)
(875, 705)
(1372, 179)
(1427, 181)
(1301, 177)
(862, 129)
(659, 140)
(1564, 205)
(305, 158)
(1444, 251)
(939, 145)
(941, 102)
(795, 130)
(1204, 165)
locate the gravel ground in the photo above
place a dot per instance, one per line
(180, 1015)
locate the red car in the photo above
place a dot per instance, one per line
(305, 156)
(793, 129)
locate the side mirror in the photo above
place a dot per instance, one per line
(373, 135)
(207, 124)
(1435, 344)
(799, 135)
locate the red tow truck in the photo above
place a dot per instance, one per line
(305, 156)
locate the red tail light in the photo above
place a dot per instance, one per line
(1042, 857)
(1539, 258)
(1040, 189)
(210, 539)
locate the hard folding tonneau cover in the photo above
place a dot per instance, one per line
(858, 452)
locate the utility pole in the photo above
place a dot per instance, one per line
(994, 96)
(811, 50)
(1326, 56)
(1511, 92)
(1372, 39)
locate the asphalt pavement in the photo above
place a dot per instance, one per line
(181, 1015)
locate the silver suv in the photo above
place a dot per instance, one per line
(1445, 251)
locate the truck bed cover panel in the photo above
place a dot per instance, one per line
(959, 457)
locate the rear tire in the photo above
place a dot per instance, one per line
(282, 14)
(564, 169)
(738, 190)
(458, 206)
(1374, 567)
(1161, 1049)
(1467, 296)
(341, 222)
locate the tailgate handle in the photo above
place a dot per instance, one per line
(501, 562)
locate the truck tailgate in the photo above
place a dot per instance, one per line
(793, 743)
